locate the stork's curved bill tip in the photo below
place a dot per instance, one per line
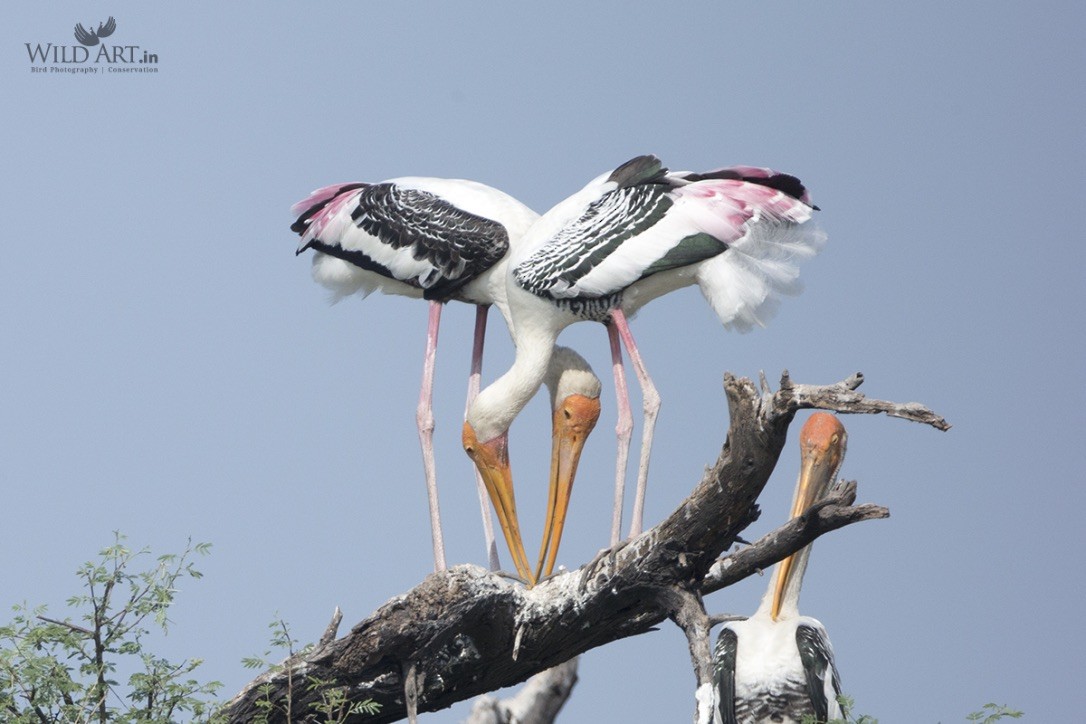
(492, 460)
(574, 420)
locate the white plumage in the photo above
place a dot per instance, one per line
(441, 240)
(745, 286)
(423, 216)
(630, 236)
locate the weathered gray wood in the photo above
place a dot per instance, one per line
(832, 512)
(467, 631)
(538, 701)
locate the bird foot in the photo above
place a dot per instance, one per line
(511, 576)
(588, 570)
(562, 570)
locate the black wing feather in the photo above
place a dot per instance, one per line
(816, 656)
(724, 656)
(783, 182)
(460, 244)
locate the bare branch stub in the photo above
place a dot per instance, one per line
(833, 512)
(458, 627)
(329, 634)
(538, 702)
(842, 397)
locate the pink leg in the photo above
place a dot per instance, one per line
(424, 416)
(651, 401)
(623, 430)
(473, 392)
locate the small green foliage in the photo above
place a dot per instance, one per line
(990, 713)
(334, 706)
(264, 704)
(846, 704)
(60, 670)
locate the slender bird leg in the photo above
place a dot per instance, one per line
(473, 392)
(651, 401)
(424, 416)
(623, 431)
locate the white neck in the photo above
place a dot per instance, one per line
(499, 404)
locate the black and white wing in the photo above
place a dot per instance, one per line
(641, 220)
(408, 231)
(724, 676)
(823, 682)
(615, 232)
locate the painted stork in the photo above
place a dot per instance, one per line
(441, 240)
(777, 666)
(627, 237)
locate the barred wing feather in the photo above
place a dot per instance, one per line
(401, 231)
(745, 237)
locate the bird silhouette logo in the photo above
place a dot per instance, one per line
(91, 37)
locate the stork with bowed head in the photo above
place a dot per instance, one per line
(441, 240)
(629, 236)
(777, 666)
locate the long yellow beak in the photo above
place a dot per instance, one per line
(573, 422)
(822, 449)
(492, 460)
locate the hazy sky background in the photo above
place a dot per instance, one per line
(170, 369)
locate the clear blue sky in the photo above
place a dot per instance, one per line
(170, 370)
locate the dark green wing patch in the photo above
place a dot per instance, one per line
(638, 170)
(690, 250)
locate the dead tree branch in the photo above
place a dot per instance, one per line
(467, 631)
(832, 512)
(538, 702)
